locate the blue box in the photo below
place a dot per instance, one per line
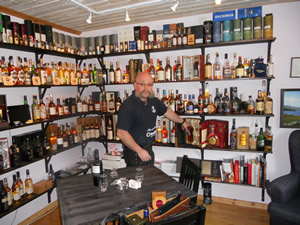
(226, 15)
(166, 28)
(249, 12)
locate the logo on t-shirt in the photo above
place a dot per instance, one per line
(151, 132)
(153, 109)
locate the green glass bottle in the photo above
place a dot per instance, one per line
(261, 140)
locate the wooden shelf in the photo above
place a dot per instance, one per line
(244, 185)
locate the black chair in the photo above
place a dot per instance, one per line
(284, 191)
(190, 175)
(194, 216)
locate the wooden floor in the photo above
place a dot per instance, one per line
(216, 214)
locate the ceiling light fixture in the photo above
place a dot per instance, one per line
(127, 18)
(89, 19)
(218, 2)
(174, 7)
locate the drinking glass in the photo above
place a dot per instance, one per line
(123, 185)
(103, 182)
(139, 175)
(113, 175)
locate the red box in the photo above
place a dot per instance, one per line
(144, 30)
(221, 130)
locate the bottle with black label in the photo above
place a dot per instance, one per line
(97, 169)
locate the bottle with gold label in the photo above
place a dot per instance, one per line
(84, 76)
(259, 105)
(28, 184)
(211, 107)
(239, 70)
(208, 68)
(9, 192)
(243, 139)
(217, 68)
(212, 139)
(21, 185)
(35, 109)
(268, 105)
(234, 65)
(158, 132)
(15, 188)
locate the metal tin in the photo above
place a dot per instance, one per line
(55, 38)
(29, 27)
(247, 29)
(98, 43)
(237, 30)
(6, 22)
(257, 27)
(68, 41)
(106, 40)
(83, 45)
(74, 42)
(208, 29)
(92, 48)
(217, 32)
(268, 26)
(227, 30)
(49, 34)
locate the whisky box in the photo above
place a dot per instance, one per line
(29, 27)
(62, 41)
(49, 34)
(159, 35)
(203, 133)
(130, 34)
(144, 32)
(43, 36)
(137, 32)
(221, 130)
(173, 28)
(92, 48)
(68, 43)
(6, 22)
(42, 186)
(249, 12)
(16, 32)
(198, 31)
(37, 33)
(240, 144)
(166, 28)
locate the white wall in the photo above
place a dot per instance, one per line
(286, 30)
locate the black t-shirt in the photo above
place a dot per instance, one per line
(139, 119)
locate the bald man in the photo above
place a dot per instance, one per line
(136, 125)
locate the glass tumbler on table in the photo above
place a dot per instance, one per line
(103, 183)
(139, 175)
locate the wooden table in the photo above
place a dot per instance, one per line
(82, 203)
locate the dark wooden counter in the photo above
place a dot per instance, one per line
(82, 203)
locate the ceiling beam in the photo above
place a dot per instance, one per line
(37, 20)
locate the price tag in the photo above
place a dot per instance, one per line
(74, 81)
(56, 81)
(36, 81)
(7, 81)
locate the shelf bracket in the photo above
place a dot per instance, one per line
(100, 60)
(103, 140)
(267, 123)
(49, 192)
(80, 90)
(47, 160)
(44, 127)
(42, 91)
(101, 87)
(147, 55)
(83, 146)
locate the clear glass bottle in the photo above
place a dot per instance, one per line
(28, 184)
(217, 68)
(227, 73)
(251, 106)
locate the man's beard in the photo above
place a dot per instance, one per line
(150, 94)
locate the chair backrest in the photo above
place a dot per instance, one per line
(195, 216)
(190, 174)
(294, 150)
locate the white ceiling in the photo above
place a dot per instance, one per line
(67, 14)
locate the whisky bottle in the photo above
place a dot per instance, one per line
(208, 68)
(111, 103)
(15, 188)
(184, 38)
(13, 71)
(158, 132)
(168, 70)
(35, 109)
(53, 142)
(28, 149)
(190, 106)
(105, 73)
(3, 198)
(118, 74)
(152, 70)
(84, 76)
(111, 74)
(233, 66)
(109, 131)
(239, 70)
(61, 74)
(27, 75)
(42, 73)
(97, 169)
(21, 186)
(268, 105)
(226, 102)
(217, 101)
(9, 192)
(263, 90)
(70, 135)
(160, 73)
(59, 108)
(270, 69)
(196, 69)
(78, 73)
(211, 107)
(227, 73)
(104, 102)
(51, 174)
(217, 68)
(178, 70)
(66, 73)
(157, 67)
(243, 105)
(38, 149)
(49, 74)
(164, 98)
(268, 140)
(246, 69)
(46, 145)
(66, 106)
(79, 104)
(173, 134)
(15, 154)
(171, 101)
(235, 103)
(201, 101)
(259, 105)
(251, 106)
(65, 137)
(90, 104)
(28, 184)
(212, 139)
(54, 71)
(90, 74)
(60, 138)
(164, 134)
(118, 101)
(85, 106)
(174, 40)
(52, 108)
(21, 73)
(180, 106)
(233, 136)
(261, 140)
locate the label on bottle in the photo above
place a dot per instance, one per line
(21, 77)
(268, 107)
(211, 109)
(76, 139)
(260, 142)
(96, 169)
(259, 106)
(97, 133)
(109, 134)
(65, 143)
(14, 76)
(9, 198)
(66, 110)
(4, 199)
(168, 75)
(118, 76)
(196, 110)
(164, 139)
(92, 133)
(161, 75)
(111, 77)
(29, 188)
(190, 109)
(36, 113)
(79, 107)
(173, 137)
(43, 77)
(52, 111)
(16, 194)
(60, 111)
(85, 108)
(239, 72)
(179, 41)
(212, 141)
(233, 142)
(178, 73)
(270, 70)
(97, 106)
(60, 141)
(208, 72)
(87, 134)
(268, 143)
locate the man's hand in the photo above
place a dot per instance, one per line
(185, 126)
(144, 155)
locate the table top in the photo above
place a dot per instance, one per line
(82, 203)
